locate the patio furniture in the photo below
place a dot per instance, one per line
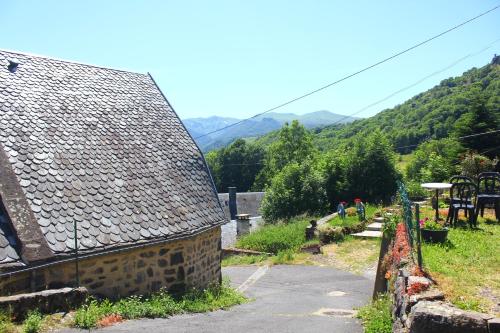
(488, 193)
(459, 179)
(465, 195)
(436, 187)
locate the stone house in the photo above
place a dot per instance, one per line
(100, 150)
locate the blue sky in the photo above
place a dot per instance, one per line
(238, 58)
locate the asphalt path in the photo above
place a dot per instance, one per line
(285, 298)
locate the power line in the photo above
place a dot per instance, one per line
(460, 137)
(353, 74)
(414, 84)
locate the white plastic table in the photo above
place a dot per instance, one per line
(436, 187)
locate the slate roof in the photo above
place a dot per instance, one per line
(104, 148)
(8, 253)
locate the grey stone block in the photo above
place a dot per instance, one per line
(440, 317)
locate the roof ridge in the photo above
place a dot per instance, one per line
(69, 61)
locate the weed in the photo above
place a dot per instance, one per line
(377, 316)
(6, 325)
(33, 322)
(158, 305)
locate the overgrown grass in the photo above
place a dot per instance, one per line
(237, 260)
(159, 305)
(351, 221)
(6, 325)
(377, 316)
(467, 265)
(275, 238)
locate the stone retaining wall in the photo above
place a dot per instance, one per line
(193, 262)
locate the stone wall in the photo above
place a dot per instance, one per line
(193, 262)
(246, 203)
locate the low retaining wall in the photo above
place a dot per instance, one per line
(419, 306)
(47, 301)
(246, 203)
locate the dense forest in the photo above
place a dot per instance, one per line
(315, 169)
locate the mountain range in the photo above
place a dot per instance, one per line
(254, 127)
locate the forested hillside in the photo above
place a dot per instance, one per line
(430, 125)
(429, 115)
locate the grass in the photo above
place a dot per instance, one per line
(354, 254)
(275, 238)
(238, 260)
(351, 221)
(377, 316)
(158, 305)
(6, 325)
(466, 267)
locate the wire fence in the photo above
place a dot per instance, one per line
(412, 229)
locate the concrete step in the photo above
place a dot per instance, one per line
(378, 219)
(368, 234)
(376, 226)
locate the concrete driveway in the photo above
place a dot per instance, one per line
(287, 298)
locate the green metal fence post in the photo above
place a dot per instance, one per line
(417, 226)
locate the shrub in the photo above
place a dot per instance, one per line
(33, 322)
(275, 238)
(473, 164)
(415, 191)
(351, 211)
(329, 233)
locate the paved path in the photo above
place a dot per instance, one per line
(286, 299)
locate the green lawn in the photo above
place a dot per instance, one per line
(350, 221)
(467, 267)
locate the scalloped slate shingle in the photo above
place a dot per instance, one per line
(101, 147)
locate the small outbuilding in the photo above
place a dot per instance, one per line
(100, 184)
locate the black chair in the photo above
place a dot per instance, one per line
(459, 179)
(464, 196)
(488, 193)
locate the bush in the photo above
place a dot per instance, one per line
(295, 190)
(329, 233)
(415, 191)
(473, 164)
(275, 238)
(351, 211)
(33, 322)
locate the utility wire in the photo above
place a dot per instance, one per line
(460, 137)
(414, 84)
(353, 74)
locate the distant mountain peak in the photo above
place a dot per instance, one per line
(257, 126)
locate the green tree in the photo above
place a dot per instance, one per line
(479, 119)
(235, 165)
(371, 170)
(296, 189)
(294, 145)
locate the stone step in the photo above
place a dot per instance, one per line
(379, 219)
(368, 234)
(375, 226)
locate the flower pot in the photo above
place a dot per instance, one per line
(434, 236)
